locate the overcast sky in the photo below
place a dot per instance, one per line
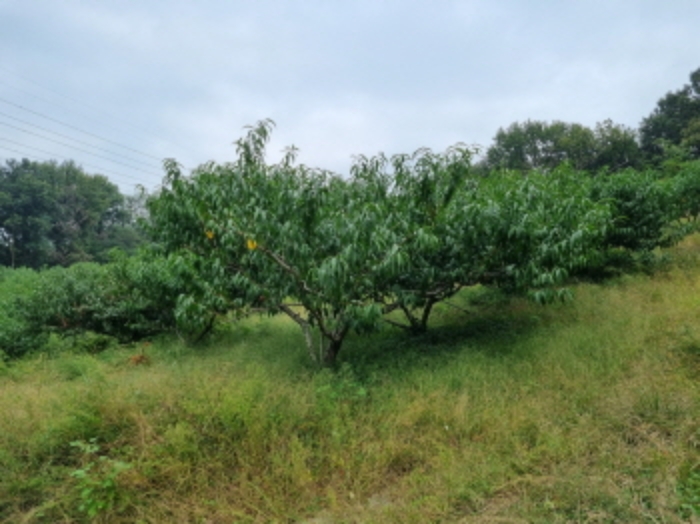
(120, 85)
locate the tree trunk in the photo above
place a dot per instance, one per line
(418, 325)
(207, 329)
(331, 352)
(305, 329)
(426, 315)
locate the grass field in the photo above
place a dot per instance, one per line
(507, 413)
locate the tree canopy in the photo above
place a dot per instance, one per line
(400, 234)
(675, 121)
(56, 214)
(536, 144)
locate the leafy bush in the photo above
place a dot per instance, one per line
(126, 299)
(650, 210)
(129, 299)
(97, 481)
(644, 207)
(687, 190)
(17, 335)
(544, 228)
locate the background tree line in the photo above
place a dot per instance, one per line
(57, 214)
(671, 130)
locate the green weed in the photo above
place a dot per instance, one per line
(97, 480)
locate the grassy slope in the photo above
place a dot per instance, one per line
(585, 412)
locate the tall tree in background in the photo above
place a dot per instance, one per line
(26, 208)
(674, 122)
(616, 147)
(691, 138)
(56, 214)
(522, 146)
(537, 144)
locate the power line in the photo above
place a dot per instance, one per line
(81, 142)
(78, 129)
(81, 111)
(53, 155)
(86, 111)
(142, 130)
(75, 147)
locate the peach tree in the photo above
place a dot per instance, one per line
(336, 254)
(524, 234)
(284, 237)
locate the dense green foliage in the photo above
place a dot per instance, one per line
(128, 299)
(403, 233)
(550, 203)
(56, 214)
(16, 334)
(543, 145)
(675, 122)
(338, 255)
(645, 209)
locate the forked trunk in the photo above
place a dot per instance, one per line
(418, 325)
(330, 341)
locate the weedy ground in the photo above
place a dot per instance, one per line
(505, 412)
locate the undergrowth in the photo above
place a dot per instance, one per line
(504, 411)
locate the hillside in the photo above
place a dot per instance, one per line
(505, 411)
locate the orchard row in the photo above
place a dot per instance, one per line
(341, 254)
(399, 234)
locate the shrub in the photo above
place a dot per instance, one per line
(17, 335)
(129, 299)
